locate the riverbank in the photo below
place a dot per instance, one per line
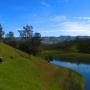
(83, 69)
(71, 56)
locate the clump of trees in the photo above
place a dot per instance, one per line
(84, 46)
(81, 45)
(27, 41)
(30, 41)
(1, 32)
(10, 39)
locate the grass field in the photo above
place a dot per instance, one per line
(20, 71)
(67, 55)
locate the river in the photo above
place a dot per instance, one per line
(83, 69)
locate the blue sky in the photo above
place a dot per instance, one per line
(49, 17)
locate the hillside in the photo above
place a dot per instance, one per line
(19, 71)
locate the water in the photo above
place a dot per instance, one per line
(83, 69)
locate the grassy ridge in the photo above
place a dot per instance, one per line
(19, 71)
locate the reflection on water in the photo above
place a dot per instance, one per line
(83, 69)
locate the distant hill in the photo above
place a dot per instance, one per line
(20, 71)
(51, 40)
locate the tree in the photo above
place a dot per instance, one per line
(1, 32)
(10, 39)
(36, 42)
(29, 42)
(37, 39)
(84, 46)
(10, 35)
(27, 32)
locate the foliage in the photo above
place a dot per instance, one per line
(1, 32)
(29, 42)
(26, 33)
(84, 46)
(10, 39)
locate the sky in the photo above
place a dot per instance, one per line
(48, 17)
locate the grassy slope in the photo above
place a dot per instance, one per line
(19, 71)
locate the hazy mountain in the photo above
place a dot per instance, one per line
(51, 40)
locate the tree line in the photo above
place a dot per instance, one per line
(80, 45)
(27, 41)
(30, 41)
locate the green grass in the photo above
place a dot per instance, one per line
(20, 71)
(68, 54)
(50, 52)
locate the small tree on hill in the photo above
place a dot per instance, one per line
(36, 42)
(1, 32)
(10, 39)
(26, 35)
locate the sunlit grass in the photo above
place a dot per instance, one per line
(20, 71)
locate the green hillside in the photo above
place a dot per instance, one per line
(19, 71)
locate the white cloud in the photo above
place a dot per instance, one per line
(51, 31)
(58, 19)
(45, 4)
(66, 26)
(76, 28)
(82, 18)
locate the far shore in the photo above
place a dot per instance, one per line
(69, 56)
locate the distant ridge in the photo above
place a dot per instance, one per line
(51, 40)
